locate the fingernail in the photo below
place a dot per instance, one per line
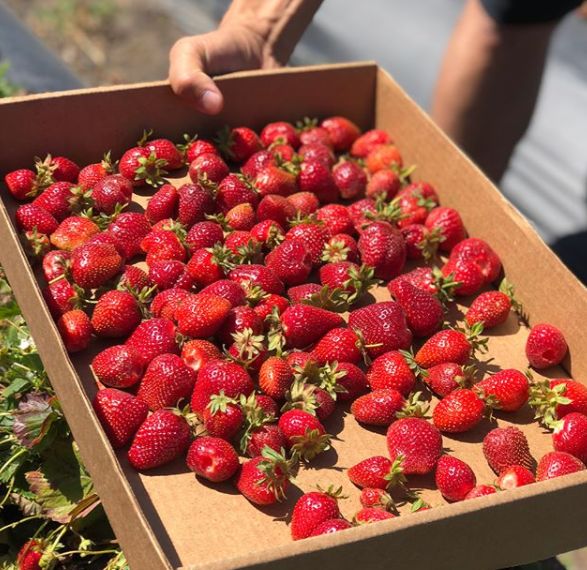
(211, 101)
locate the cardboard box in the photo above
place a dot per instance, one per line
(168, 519)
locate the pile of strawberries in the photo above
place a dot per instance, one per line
(228, 345)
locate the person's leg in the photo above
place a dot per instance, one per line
(488, 85)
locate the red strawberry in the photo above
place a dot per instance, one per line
(229, 290)
(305, 203)
(559, 397)
(480, 491)
(169, 273)
(195, 353)
(90, 174)
(259, 275)
(267, 435)
(264, 480)
(391, 370)
(312, 234)
(421, 190)
(450, 345)
(514, 476)
(458, 412)
(30, 555)
(377, 472)
(341, 247)
(280, 131)
(342, 131)
(546, 346)
(507, 389)
(166, 382)
(118, 366)
(490, 309)
(120, 414)
(237, 320)
(382, 326)
(311, 510)
(234, 190)
(378, 408)
(447, 377)
(376, 498)
(152, 338)
(24, 184)
(195, 147)
(348, 278)
(352, 379)
(310, 293)
(268, 232)
(92, 265)
(201, 315)
(371, 515)
(331, 526)
(454, 478)
(35, 244)
(73, 232)
(60, 297)
(55, 264)
(303, 324)
(216, 376)
(310, 398)
(222, 417)
(449, 223)
(208, 167)
(207, 265)
(163, 149)
(424, 312)
(112, 193)
(384, 182)
(128, 230)
(418, 441)
(420, 242)
(276, 208)
(162, 437)
(29, 217)
(75, 329)
(365, 143)
(557, 464)
(303, 433)
(383, 247)
(268, 304)
(204, 235)
(141, 166)
(317, 152)
(291, 261)
(338, 344)
(350, 179)
(336, 218)
(383, 156)
(195, 203)
(116, 314)
(239, 143)
(163, 204)
(165, 303)
(275, 377)
(134, 278)
(61, 199)
(274, 180)
(428, 280)
(212, 458)
(62, 168)
(570, 435)
(504, 447)
(315, 177)
(257, 162)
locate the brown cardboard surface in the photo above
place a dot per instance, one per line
(167, 518)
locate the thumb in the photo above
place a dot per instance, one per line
(188, 79)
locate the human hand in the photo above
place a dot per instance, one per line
(193, 59)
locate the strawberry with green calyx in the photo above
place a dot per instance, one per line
(383, 248)
(30, 555)
(508, 390)
(324, 297)
(444, 378)
(24, 184)
(448, 224)
(141, 166)
(238, 144)
(309, 398)
(313, 509)
(341, 247)
(504, 447)
(204, 234)
(382, 407)
(454, 478)
(451, 345)
(61, 168)
(212, 458)
(419, 505)
(163, 149)
(553, 399)
(309, 132)
(258, 429)
(378, 472)
(373, 497)
(304, 433)
(325, 377)
(269, 233)
(421, 243)
(208, 265)
(120, 414)
(353, 280)
(248, 349)
(35, 244)
(61, 296)
(493, 307)
(280, 131)
(340, 344)
(392, 370)
(264, 480)
(160, 439)
(193, 146)
(557, 464)
(63, 199)
(276, 179)
(92, 173)
(223, 416)
(431, 280)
